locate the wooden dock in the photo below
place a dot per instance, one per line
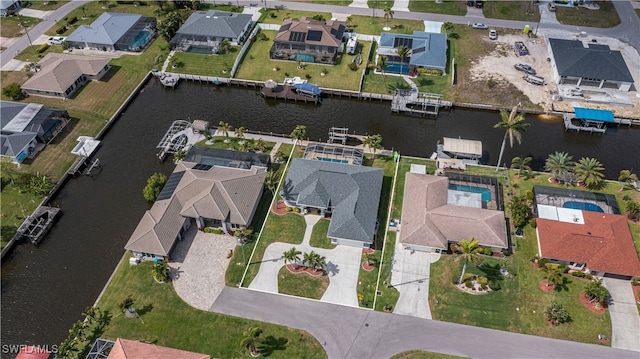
(77, 166)
(36, 226)
(287, 92)
(412, 101)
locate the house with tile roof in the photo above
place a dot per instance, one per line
(204, 30)
(205, 194)
(309, 40)
(61, 75)
(115, 32)
(600, 243)
(26, 128)
(134, 349)
(428, 51)
(434, 216)
(595, 65)
(349, 193)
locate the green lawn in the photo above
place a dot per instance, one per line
(511, 10)
(367, 282)
(205, 65)
(276, 16)
(373, 26)
(450, 7)
(388, 295)
(233, 144)
(46, 5)
(16, 207)
(327, 2)
(258, 66)
(302, 284)
(421, 354)
(168, 321)
(319, 237)
(13, 26)
(605, 17)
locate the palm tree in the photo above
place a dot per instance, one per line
(554, 274)
(292, 256)
(224, 46)
(388, 14)
(513, 125)
(271, 180)
(179, 156)
(628, 178)
(469, 250)
(596, 291)
(279, 156)
(349, 21)
(319, 262)
(246, 146)
(250, 340)
(559, 164)
(522, 165)
(260, 145)
(402, 52)
(160, 271)
(448, 27)
(243, 234)
(633, 210)
(299, 133)
(224, 127)
(374, 142)
(308, 258)
(240, 133)
(381, 66)
(371, 258)
(589, 171)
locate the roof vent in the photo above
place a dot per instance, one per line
(589, 233)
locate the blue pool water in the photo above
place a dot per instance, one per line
(332, 160)
(305, 58)
(199, 50)
(485, 192)
(140, 39)
(395, 68)
(584, 206)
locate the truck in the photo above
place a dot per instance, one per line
(352, 45)
(535, 80)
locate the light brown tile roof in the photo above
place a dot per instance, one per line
(428, 220)
(603, 242)
(59, 71)
(132, 349)
(305, 24)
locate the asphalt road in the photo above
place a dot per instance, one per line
(347, 332)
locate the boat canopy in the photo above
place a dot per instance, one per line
(308, 89)
(591, 114)
(460, 146)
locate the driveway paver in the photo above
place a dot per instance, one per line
(625, 321)
(410, 276)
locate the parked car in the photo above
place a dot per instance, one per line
(525, 68)
(479, 25)
(535, 80)
(58, 40)
(493, 34)
(551, 7)
(576, 92)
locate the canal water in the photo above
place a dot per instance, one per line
(45, 288)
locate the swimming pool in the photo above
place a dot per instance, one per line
(335, 160)
(305, 58)
(199, 50)
(140, 39)
(485, 192)
(583, 206)
(395, 68)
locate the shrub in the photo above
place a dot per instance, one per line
(626, 198)
(430, 71)
(579, 274)
(262, 36)
(533, 223)
(42, 48)
(468, 284)
(73, 20)
(318, 17)
(13, 91)
(529, 195)
(289, 209)
(467, 277)
(556, 314)
(61, 30)
(208, 230)
(490, 83)
(487, 251)
(307, 76)
(494, 284)
(296, 210)
(154, 186)
(160, 271)
(353, 66)
(482, 280)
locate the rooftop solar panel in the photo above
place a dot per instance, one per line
(297, 36)
(314, 35)
(202, 167)
(170, 186)
(401, 41)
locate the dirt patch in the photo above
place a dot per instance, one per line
(595, 307)
(368, 266)
(546, 286)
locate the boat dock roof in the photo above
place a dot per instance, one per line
(460, 146)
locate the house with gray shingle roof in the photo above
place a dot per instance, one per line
(428, 52)
(204, 30)
(350, 194)
(61, 75)
(115, 31)
(595, 65)
(7, 6)
(207, 195)
(27, 128)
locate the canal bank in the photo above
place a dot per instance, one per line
(101, 212)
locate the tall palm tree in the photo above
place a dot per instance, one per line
(308, 258)
(402, 52)
(469, 251)
(628, 178)
(554, 274)
(251, 340)
(374, 142)
(243, 234)
(271, 180)
(240, 132)
(388, 14)
(513, 124)
(246, 146)
(522, 165)
(382, 66)
(319, 262)
(291, 256)
(260, 145)
(299, 133)
(589, 171)
(559, 164)
(224, 127)
(371, 258)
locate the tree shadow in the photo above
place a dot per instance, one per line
(272, 344)
(424, 81)
(144, 310)
(563, 286)
(331, 268)
(491, 271)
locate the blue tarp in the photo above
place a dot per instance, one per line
(309, 88)
(593, 114)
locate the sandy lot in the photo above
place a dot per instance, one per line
(499, 66)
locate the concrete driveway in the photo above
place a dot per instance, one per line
(410, 276)
(625, 321)
(343, 266)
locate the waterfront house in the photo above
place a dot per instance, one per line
(584, 240)
(595, 66)
(8, 7)
(349, 193)
(134, 349)
(204, 30)
(27, 128)
(428, 52)
(308, 40)
(115, 31)
(434, 215)
(211, 188)
(61, 75)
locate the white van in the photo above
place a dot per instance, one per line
(352, 45)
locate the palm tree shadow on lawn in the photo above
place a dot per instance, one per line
(491, 271)
(563, 286)
(272, 344)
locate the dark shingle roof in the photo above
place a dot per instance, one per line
(352, 191)
(215, 23)
(593, 62)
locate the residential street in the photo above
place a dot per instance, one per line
(348, 332)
